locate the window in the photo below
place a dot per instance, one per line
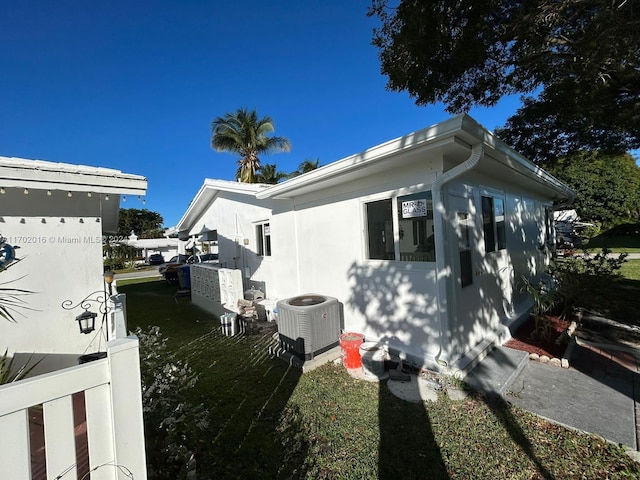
(465, 227)
(415, 220)
(493, 224)
(263, 239)
(380, 230)
(414, 223)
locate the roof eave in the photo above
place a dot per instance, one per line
(207, 193)
(38, 174)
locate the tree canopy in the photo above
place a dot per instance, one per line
(144, 223)
(270, 174)
(607, 186)
(578, 62)
(243, 133)
(305, 166)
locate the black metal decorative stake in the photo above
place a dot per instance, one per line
(86, 320)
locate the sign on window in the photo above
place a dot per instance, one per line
(414, 208)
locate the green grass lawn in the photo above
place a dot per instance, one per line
(631, 270)
(268, 421)
(619, 239)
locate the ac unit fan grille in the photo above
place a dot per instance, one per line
(306, 300)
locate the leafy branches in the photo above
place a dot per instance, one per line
(607, 186)
(580, 61)
(572, 281)
(171, 421)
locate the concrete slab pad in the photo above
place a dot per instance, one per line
(307, 365)
(602, 405)
(416, 390)
(497, 370)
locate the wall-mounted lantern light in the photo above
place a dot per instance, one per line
(87, 321)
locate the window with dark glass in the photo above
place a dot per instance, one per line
(464, 248)
(501, 225)
(494, 224)
(380, 230)
(263, 239)
(414, 241)
(415, 221)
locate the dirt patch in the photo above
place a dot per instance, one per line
(527, 340)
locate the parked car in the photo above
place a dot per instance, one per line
(155, 259)
(203, 258)
(171, 267)
(170, 270)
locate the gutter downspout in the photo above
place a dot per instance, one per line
(443, 269)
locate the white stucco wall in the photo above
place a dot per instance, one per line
(494, 301)
(235, 216)
(391, 301)
(319, 245)
(61, 260)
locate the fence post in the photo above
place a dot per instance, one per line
(126, 394)
(118, 327)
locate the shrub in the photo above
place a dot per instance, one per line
(572, 283)
(171, 422)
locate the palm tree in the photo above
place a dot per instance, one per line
(307, 166)
(269, 173)
(242, 132)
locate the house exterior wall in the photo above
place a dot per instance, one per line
(391, 301)
(396, 302)
(442, 312)
(234, 217)
(494, 301)
(61, 259)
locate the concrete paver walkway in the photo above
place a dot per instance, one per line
(596, 394)
(599, 393)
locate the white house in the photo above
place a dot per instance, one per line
(58, 215)
(167, 247)
(423, 239)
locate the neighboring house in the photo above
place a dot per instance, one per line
(167, 247)
(423, 238)
(57, 214)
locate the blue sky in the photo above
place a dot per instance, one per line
(134, 85)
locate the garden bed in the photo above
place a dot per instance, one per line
(525, 339)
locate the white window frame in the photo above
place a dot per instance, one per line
(499, 235)
(394, 196)
(263, 238)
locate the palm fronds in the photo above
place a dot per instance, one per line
(246, 135)
(10, 300)
(10, 373)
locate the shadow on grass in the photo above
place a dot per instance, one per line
(243, 388)
(400, 420)
(501, 411)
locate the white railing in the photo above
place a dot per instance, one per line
(112, 416)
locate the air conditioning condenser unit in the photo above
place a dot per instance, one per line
(308, 324)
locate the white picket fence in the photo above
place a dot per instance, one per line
(113, 414)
